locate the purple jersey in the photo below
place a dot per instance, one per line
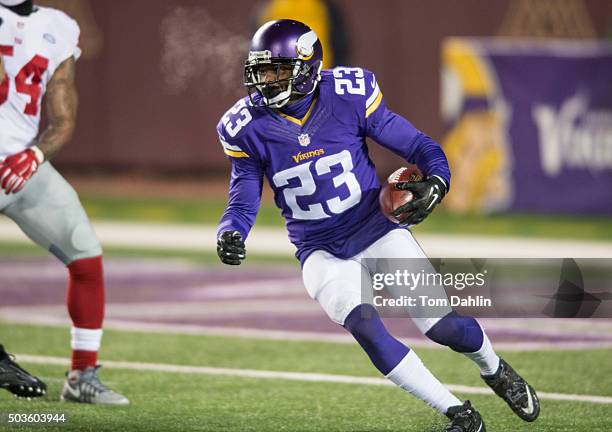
(323, 179)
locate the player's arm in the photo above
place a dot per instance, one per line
(62, 101)
(398, 135)
(62, 104)
(246, 183)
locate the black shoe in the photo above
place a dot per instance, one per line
(464, 418)
(519, 395)
(17, 380)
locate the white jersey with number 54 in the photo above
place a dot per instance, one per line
(32, 47)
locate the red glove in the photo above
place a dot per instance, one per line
(17, 169)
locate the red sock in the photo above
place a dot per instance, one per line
(81, 360)
(85, 300)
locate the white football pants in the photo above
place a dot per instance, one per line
(49, 212)
(337, 283)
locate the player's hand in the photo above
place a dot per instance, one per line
(428, 194)
(230, 247)
(17, 169)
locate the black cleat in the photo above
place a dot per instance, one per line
(17, 380)
(464, 418)
(519, 395)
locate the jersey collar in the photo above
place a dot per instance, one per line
(299, 122)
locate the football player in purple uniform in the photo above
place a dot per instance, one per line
(304, 129)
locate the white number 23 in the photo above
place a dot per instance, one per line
(349, 80)
(308, 186)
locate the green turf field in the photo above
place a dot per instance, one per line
(208, 211)
(30, 250)
(179, 401)
(170, 401)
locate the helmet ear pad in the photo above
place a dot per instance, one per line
(307, 79)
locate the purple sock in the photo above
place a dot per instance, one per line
(460, 333)
(384, 350)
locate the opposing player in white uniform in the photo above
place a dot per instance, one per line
(38, 52)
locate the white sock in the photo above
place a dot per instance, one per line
(412, 375)
(85, 339)
(485, 357)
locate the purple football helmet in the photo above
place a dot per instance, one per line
(285, 59)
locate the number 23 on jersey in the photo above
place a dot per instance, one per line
(308, 186)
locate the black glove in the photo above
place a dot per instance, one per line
(427, 195)
(230, 247)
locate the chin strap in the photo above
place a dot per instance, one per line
(282, 102)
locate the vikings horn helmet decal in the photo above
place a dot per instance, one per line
(305, 45)
(285, 59)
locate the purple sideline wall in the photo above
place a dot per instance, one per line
(167, 70)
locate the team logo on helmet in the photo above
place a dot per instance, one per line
(305, 45)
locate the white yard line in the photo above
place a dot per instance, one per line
(19, 317)
(119, 316)
(293, 376)
(266, 240)
(210, 309)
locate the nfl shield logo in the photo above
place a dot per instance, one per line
(304, 140)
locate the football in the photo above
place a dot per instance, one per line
(390, 198)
